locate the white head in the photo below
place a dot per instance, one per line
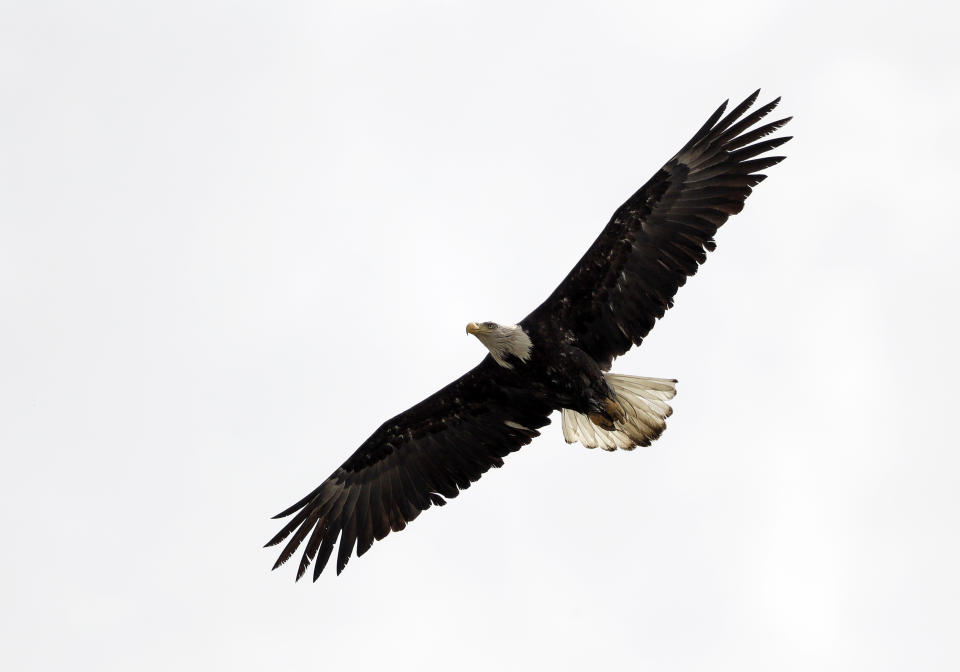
(502, 340)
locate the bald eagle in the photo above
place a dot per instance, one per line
(557, 358)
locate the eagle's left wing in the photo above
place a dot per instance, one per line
(660, 236)
(431, 451)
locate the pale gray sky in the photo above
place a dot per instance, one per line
(235, 237)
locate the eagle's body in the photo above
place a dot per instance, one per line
(556, 358)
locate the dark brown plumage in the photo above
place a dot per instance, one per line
(660, 236)
(431, 451)
(606, 304)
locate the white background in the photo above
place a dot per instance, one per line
(236, 237)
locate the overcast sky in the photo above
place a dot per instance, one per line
(235, 237)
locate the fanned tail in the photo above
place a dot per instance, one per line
(645, 411)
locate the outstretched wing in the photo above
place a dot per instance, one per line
(660, 236)
(431, 451)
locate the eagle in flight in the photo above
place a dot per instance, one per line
(556, 358)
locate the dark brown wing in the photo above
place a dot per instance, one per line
(660, 236)
(431, 451)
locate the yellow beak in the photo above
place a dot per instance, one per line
(473, 328)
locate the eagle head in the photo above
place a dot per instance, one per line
(502, 340)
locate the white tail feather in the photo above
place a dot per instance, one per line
(645, 409)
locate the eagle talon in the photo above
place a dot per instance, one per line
(601, 421)
(613, 409)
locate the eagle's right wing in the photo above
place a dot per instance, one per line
(414, 460)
